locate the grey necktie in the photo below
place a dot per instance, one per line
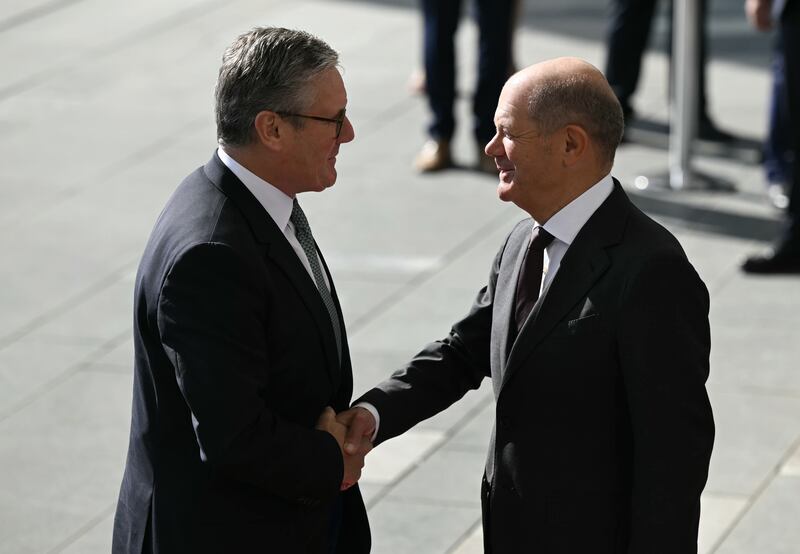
(302, 231)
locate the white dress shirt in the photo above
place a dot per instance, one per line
(276, 203)
(564, 225)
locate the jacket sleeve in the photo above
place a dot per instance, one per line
(442, 372)
(664, 347)
(212, 317)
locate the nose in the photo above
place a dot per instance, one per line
(494, 147)
(348, 132)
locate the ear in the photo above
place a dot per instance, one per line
(270, 129)
(576, 141)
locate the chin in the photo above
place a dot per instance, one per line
(325, 182)
(505, 191)
(330, 178)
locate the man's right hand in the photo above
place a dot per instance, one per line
(353, 463)
(360, 425)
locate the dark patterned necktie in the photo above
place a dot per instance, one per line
(302, 231)
(529, 282)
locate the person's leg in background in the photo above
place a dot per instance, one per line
(790, 37)
(777, 147)
(440, 24)
(706, 128)
(495, 26)
(785, 258)
(628, 34)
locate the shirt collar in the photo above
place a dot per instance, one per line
(275, 202)
(565, 224)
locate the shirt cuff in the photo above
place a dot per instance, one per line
(371, 409)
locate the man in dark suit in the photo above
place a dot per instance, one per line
(593, 328)
(240, 347)
(785, 14)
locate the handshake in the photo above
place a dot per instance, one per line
(353, 430)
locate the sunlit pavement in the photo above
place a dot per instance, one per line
(104, 107)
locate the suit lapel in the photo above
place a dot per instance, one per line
(281, 252)
(583, 264)
(504, 298)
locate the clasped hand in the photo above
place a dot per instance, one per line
(353, 430)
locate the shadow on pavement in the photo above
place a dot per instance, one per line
(655, 134)
(698, 218)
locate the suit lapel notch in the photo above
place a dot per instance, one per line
(504, 300)
(264, 228)
(278, 249)
(586, 260)
(570, 285)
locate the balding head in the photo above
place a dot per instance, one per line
(571, 91)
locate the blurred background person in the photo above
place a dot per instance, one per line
(785, 15)
(495, 23)
(777, 146)
(628, 35)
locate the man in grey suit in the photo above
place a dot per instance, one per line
(593, 327)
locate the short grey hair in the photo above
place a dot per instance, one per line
(578, 99)
(267, 68)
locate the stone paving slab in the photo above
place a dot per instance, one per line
(29, 364)
(400, 526)
(117, 103)
(450, 478)
(396, 457)
(472, 543)
(717, 513)
(61, 461)
(792, 466)
(754, 432)
(770, 525)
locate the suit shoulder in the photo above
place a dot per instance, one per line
(196, 213)
(651, 239)
(652, 253)
(199, 211)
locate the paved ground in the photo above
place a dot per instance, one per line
(105, 106)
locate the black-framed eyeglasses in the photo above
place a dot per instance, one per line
(339, 119)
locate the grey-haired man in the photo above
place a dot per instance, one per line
(240, 348)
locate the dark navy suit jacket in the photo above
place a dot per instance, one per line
(235, 358)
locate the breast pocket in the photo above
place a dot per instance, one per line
(580, 326)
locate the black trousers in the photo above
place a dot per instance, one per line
(789, 29)
(494, 55)
(628, 34)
